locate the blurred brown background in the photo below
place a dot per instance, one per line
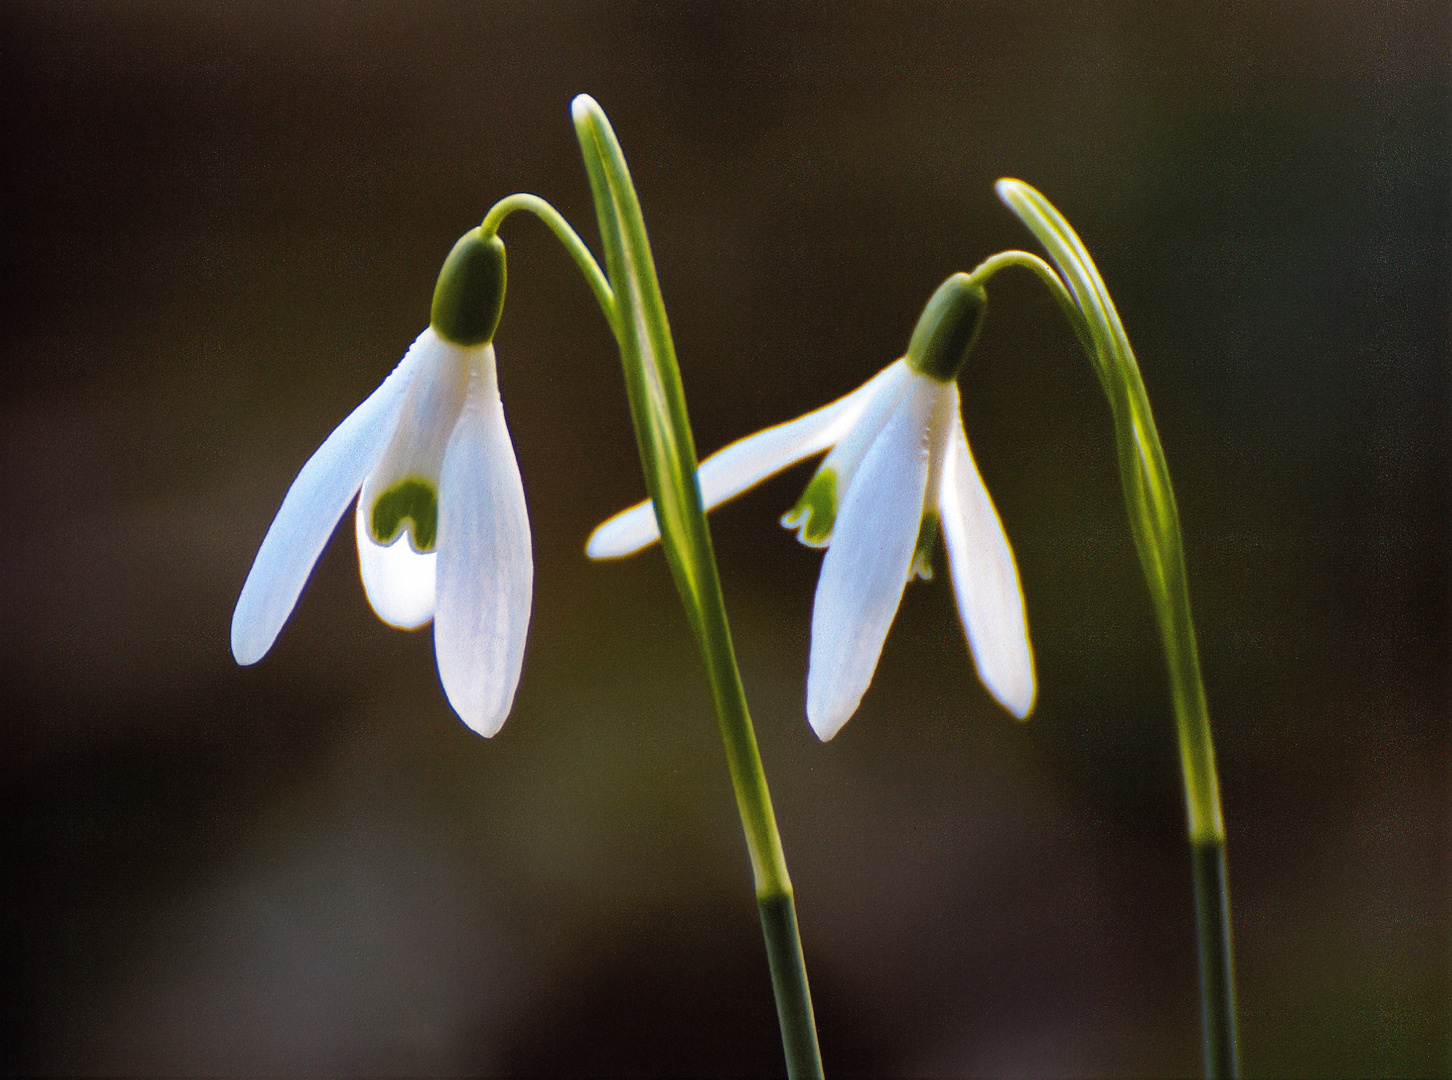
(222, 228)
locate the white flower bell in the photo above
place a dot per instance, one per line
(899, 466)
(441, 523)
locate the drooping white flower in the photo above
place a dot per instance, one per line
(441, 523)
(899, 467)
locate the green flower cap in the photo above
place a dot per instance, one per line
(469, 297)
(947, 329)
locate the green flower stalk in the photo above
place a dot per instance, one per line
(1155, 523)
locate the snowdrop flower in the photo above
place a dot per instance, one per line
(899, 468)
(441, 523)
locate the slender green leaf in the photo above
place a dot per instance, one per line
(668, 458)
(1155, 523)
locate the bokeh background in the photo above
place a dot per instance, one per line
(222, 225)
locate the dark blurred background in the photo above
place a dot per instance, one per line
(222, 225)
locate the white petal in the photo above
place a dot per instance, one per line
(398, 580)
(485, 566)
(430, 410)
(745, 463)
(867, 564)
(624, 534)
(314, 503)
(985, 579)
(871, 418)
(842, 463)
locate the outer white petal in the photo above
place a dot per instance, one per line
(867, 564)
(485, 567)
(398, 580)
(745, 463)
(624, 534)
(842, 463)
(312, 507)
(985, 579)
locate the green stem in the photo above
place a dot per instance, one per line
(668, 458)
(985, 270)
(604, 296)
(1217, 975)
(1155, 522)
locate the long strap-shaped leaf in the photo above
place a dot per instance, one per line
(668, 457)
(1155, 523)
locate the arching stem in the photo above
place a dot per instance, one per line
(557, 224)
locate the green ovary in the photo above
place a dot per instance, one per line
(410, 500)
(816, 511)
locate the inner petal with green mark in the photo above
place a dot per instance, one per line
(410, 500)
(816, 511)
(922, 565)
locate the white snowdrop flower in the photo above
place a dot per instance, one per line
(441, 523)
(899, 468)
